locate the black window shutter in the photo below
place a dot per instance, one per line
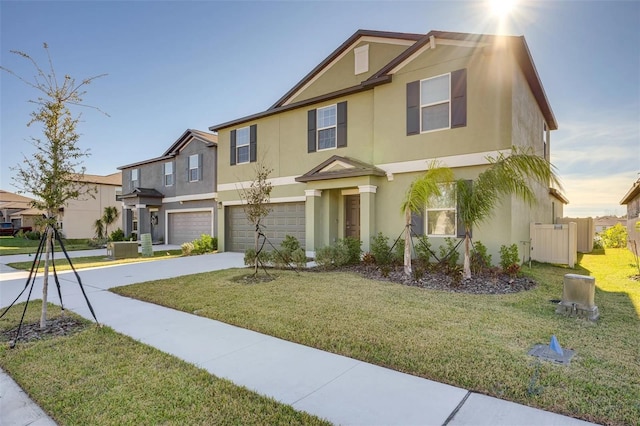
(253, 143)
(233, 147)
(342, 125)
(311, 130)
(413, 108)
(459, 98)
(188, 171)
(417, 223)
(460, 225)
(174, 172)
(200, 171)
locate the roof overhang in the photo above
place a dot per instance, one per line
(558, 195)
(632, 193)
(338, 167)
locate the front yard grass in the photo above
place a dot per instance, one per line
(100, 377)
(62, 264)
(14, 245)
(478, 342)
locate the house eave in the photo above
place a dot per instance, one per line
(558, 195)
(631, 194)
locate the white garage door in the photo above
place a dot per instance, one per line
(185, 227)
(284, 219)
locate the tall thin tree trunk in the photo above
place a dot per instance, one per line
(407, 243)
(467, 258)
(255, 245)
(45, 281)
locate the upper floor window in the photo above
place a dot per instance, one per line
(327, 120)
(441, 212)
(168, 174)
(544, 139)
(135, 178)
(327, 127)
(437, 103)
(195, 167)
(244, 143)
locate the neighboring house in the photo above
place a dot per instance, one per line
(173, 197)
(605, 222)
(347, 140)
(77, 217)
(17, 209)
(632, 200)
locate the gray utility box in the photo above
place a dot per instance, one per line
(578, 294)
(122, 249)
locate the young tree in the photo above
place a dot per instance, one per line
(109, 217)
(53, 174)
(257, 197)
(416, 198)
(511, 174)
(98, 226)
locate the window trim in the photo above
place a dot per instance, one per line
(197, 168)
(448, 101)
(333, 126)
(166, 175)
(136, 180)
(248, 145)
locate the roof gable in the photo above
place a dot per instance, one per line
(338, 167)
(342, 57)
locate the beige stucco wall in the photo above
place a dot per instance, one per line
(80, 215)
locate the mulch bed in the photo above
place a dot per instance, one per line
(439, 280)
(56, 327)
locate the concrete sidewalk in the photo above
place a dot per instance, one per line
(337, 388)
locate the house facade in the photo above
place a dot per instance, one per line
(77, 218)
(173, 197)
(632, 200)
(10, 204)
(346, 142)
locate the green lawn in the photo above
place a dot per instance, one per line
(100, 377)
(13, 245)
(95, 261)
(476, 342)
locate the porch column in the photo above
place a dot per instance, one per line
(312, 220)
(367, 214)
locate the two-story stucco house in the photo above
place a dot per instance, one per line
(632, 200)
(173, 197)
(347, 140)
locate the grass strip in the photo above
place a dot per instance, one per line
(98, 376)
(62, 264)
(478, 342)
(13, 245)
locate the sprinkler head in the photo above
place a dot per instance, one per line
(12, 344)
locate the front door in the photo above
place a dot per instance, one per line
(155, 228)
(352, 216)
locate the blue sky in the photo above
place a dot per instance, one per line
(178, 65)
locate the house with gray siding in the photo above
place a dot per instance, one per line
(173, 197)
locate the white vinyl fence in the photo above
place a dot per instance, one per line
(554, 243)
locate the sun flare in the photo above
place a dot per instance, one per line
(502, 8)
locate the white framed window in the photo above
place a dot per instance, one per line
(441, 212)
(544, 139)
(326, 127)
(242, 145)
(435, 103)
(134, 220)
(194, 168)
(135, 178)
(168, 174)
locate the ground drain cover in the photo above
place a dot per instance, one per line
(546, 353)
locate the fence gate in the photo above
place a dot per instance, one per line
(554, 243)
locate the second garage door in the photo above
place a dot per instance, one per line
(189, 226)
(284, 219)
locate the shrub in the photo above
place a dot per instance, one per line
(290, 243)
(187, 248)
(250, 257)
(423, 250)
(299, 257)
(97, 242)
(597, 243)
(449, 254)
(398, 252)
(480, 260)
(283, 258)
(509, 259)
(324, 256)
(33, 235)
(350, 249)
(615, 237)
(205, 244)
(368, 259)
(380, 249)
(117, 235)
(340, 255)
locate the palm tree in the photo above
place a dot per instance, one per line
(109, 216)
(415, 199)
(99, 228)
(511, 174)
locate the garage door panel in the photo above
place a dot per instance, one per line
(284, 219)
(189, 226)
